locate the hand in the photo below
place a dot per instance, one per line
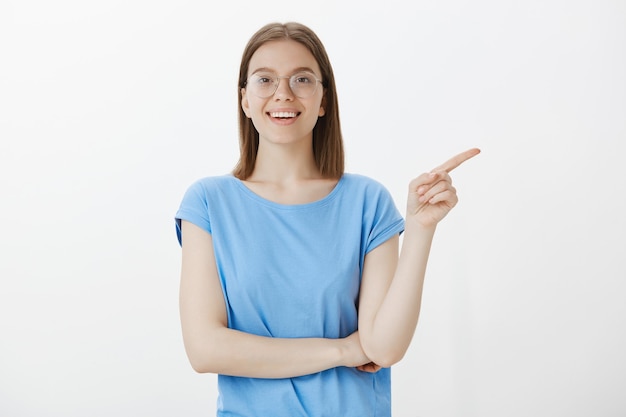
(369, 367)
(431, 195)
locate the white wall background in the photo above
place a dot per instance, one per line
(109, 110)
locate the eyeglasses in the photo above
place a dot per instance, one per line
(264, 84)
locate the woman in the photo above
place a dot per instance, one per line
(292, 289)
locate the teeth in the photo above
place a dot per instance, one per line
(283, 114)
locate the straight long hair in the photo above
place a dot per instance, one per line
(327, 138)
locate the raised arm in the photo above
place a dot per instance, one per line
(391, 287)
(212, 347)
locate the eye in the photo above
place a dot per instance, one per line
(264, 79)
(304, 78)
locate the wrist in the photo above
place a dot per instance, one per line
(343, 351)
(412, 225)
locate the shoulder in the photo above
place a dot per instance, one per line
(380, 217)
(211, 184)
(364, 184)
(202, 199)
(209, 191)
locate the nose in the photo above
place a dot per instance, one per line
(283, 90)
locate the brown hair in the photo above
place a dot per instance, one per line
(327, 139)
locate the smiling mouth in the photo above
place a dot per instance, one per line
(283, 114)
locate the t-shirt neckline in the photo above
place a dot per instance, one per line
(322, 201)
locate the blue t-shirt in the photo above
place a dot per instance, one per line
(294, 271)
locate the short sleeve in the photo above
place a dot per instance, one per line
(383, 217)
(193, 208)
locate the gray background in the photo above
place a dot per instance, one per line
(109, 110)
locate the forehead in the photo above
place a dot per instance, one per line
(282, 57)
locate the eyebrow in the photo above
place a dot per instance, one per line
(299, 69)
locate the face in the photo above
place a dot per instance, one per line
(283, 117)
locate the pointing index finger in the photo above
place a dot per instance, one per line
(457, 160)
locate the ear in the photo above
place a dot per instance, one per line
(322, 110)
(245, 106)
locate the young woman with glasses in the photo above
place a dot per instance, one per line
(293, 287)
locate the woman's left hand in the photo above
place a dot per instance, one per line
(369, 367)
(431, 195)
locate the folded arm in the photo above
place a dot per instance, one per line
(213, 347)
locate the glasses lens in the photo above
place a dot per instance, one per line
(303, 84)
(264, 84)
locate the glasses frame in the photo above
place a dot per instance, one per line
(277, 79)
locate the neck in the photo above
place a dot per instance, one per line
(285, 162)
